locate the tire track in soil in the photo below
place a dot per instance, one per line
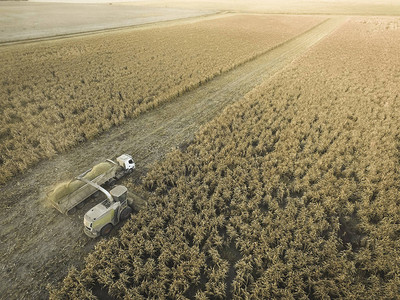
(38, 244)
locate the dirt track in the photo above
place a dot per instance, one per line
(39, 244)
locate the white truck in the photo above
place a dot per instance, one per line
(69, 195)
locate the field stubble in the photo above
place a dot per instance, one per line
(290, 193)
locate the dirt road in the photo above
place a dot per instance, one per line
(38, 244)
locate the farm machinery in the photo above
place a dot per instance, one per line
(100, 219)
(117, 206)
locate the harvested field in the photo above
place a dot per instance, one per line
(335, 7)
(21, 20)
(290, 193)
(57, 94)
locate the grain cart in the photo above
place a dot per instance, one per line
(69, 195)
(101, 218)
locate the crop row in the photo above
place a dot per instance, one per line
(56, 94)
(291, 193)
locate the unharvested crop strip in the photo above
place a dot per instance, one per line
(57, 94)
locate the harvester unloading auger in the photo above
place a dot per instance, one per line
(69, 195)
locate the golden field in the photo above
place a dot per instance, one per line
(331, 7)
(291, 193)
(58, 93)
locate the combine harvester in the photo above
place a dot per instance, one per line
(99, 220)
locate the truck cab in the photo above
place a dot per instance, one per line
(100, 219)
(126, 161)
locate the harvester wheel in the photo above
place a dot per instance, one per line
(106, 229)
(126, 213)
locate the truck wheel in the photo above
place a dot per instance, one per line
(125, 213)
(106, 229)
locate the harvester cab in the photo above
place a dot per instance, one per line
(100, 219)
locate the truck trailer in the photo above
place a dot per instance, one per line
(68, 195)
